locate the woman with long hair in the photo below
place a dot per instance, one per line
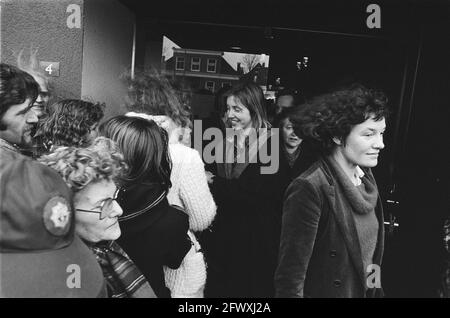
(154, 233)
(243, 244)
(332, 234)
(152, 97)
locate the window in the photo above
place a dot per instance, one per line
(195, 64)
(211, 67)
(209, 86)
(180, 64)
(226, 84)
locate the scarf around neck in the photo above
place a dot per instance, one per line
(240, 153)
(362, 198)
(123, 278)
(291, 157)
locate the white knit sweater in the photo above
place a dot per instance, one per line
(190, 190)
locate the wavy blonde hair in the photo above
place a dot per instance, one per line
(80, 166)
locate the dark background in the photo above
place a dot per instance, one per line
(408, 58)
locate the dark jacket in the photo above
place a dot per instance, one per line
(242, 247)
(320, 254)
(305, 159)
(154, 234)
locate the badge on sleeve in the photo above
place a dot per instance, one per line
(57, 216)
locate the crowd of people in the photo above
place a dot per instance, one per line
(135, 209)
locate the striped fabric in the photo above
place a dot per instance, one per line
(123, 278)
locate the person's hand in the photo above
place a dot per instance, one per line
(210, 177)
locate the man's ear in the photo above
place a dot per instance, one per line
(337, 141)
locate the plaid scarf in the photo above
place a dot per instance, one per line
(123, 278)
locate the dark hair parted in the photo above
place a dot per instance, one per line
(145, 148)
(252, 97)
(69, 123)
(151, 93)
(333, 115)
(16, 86)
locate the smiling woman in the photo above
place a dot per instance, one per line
(243, 245)
(90, 173)
(332, 230)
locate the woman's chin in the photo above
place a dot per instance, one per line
(113, 233)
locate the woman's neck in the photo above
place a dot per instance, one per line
(246, 131)
(348, 167)
(291, 150)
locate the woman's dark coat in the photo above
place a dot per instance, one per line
(156, 238)
(243, 246)
(320, 254)
(307, 156)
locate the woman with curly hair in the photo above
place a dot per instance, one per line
(332, 234)
(70, 122)
(91, 173)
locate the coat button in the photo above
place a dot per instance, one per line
(337, 283)
(333, 253)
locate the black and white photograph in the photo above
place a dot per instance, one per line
(226, 153)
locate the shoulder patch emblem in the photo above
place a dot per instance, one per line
(57, 216)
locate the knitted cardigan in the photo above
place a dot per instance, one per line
(190, 190)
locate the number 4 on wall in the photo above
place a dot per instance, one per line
(50, 68)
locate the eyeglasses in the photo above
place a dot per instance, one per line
(106, 207)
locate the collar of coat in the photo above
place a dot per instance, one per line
(346, 221)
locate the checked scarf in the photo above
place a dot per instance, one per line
(123, 278)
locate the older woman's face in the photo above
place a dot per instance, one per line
(238, 115)
(96, 227)
(43, 97)
(364, 143)
(289, 137)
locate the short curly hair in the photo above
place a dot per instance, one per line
(80, 166)
(69, 122)
(333, 115)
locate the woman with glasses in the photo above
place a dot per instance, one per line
(90, 173)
